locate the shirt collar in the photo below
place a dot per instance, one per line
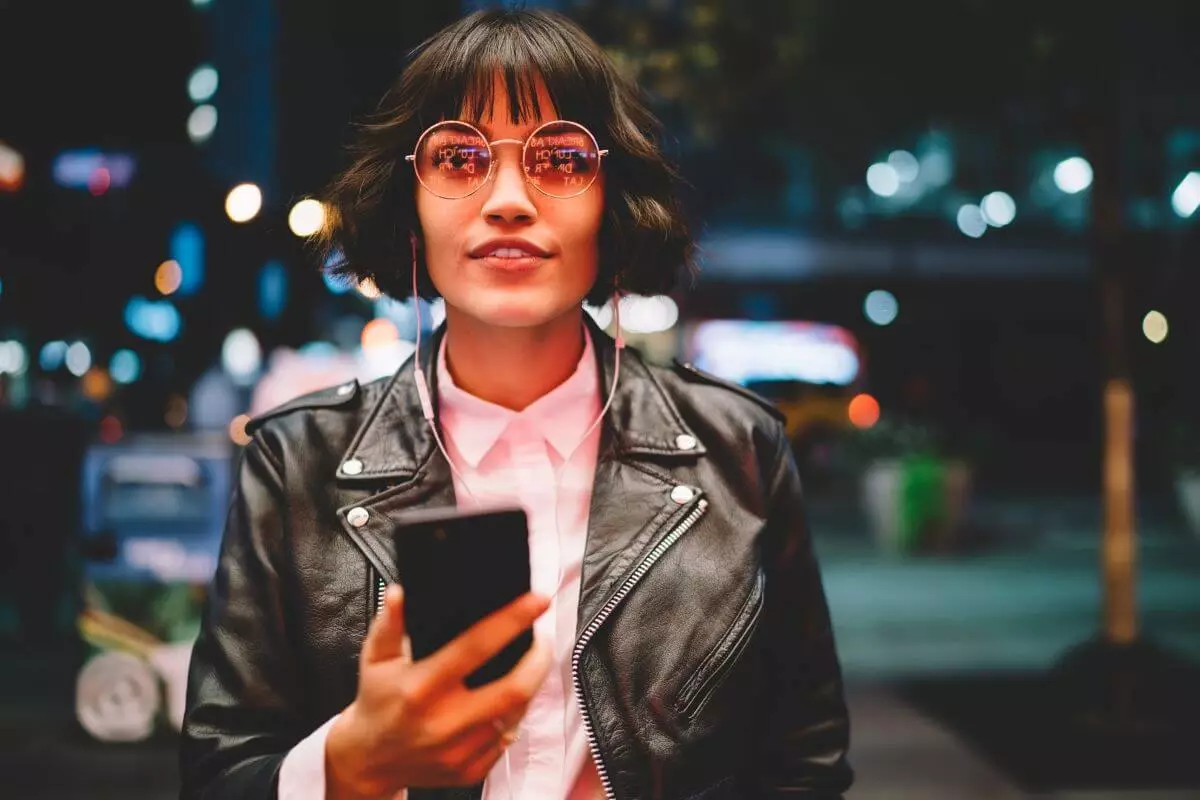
(561, 416)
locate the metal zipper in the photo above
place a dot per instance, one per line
(380, 592)
(697, 696)
(604, 614)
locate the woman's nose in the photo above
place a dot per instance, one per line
(509, 198)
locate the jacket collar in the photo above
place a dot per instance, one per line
(394, 440)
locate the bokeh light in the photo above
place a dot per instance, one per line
(881, 307)
(241, 356)
(368, 289)
(78, 359)
(12, 169)
(202, 84)
(1073, 175)
(96, 384)
(905, 164)
(306, 217)
(237, 430)
(648, 314)
(177, 412)
(999, 209)
(125, 366)
(168, 277)
(379, 332)
(243, 202)
(1186, 197)
(99, 181)
(111, 430)
(1154, 326)
(52, 355)
(13, 358)
(883, 180)
(863, 411)
(970, 221)
(201, 123)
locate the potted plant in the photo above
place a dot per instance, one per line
(915, 485)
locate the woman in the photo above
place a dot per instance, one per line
(683, 641)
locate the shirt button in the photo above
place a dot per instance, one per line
(357, 516)
(681, 494)
(685, 442)
(352, 467)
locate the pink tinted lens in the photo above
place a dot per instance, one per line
(452, 160)
(562, 159)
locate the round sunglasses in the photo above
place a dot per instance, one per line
(453, 159)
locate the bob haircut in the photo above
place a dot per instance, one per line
(644, 241)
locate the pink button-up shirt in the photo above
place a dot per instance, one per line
(520, 457)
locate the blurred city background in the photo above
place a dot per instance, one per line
(956, 241)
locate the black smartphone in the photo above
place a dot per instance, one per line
(457, 566)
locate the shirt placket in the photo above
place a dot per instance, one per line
(537, 493)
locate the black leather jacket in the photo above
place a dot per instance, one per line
(704, 661)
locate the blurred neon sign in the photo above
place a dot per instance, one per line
(78, 169)
(744, 351)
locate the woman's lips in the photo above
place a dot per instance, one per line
(511, 263)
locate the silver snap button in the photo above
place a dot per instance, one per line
(685, 442)
(357, 516)
(345, 390)
(352, 467)
(681, 494)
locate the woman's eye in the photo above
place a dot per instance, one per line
(455, 159)
(568, 160)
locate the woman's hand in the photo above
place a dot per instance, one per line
(417, 724)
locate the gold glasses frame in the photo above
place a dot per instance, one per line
(492, 161)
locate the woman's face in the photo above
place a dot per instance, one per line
(499, 290)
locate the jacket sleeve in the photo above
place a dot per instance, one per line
(243, 711)
(804, 735)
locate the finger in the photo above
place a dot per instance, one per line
(480, 766)
(507, 698)
(386, 637)
(471, 649)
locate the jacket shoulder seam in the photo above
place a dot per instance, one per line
(692, 373)
(325, 398)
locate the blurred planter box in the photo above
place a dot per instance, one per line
(1187, 490)
(916, 503)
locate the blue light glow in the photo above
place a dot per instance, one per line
(272, 290)
(187, 248)
(73, 169)
(125, 366)
(157, 320)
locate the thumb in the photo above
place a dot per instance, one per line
(386, 638)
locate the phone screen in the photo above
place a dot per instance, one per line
(457, 567)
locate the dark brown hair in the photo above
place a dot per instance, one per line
(644, 239)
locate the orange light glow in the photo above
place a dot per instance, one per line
(863, 411)
(168, 277)
(237, 430)
(379, 333)
(177, 411)
(368, 289)
(96, 384)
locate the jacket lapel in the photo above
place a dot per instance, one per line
(644, 443)
(644, 446)
(394, 459)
